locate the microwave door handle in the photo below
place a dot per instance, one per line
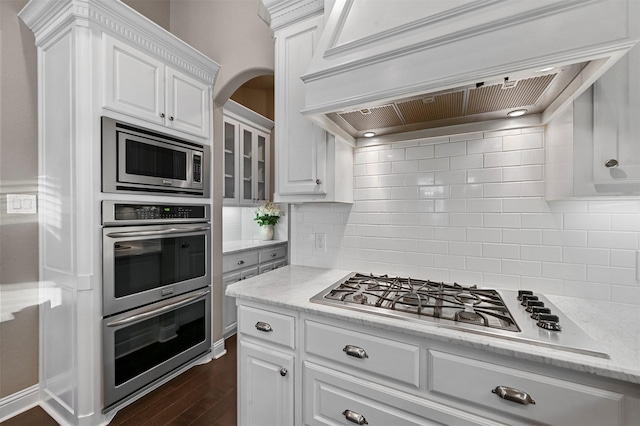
(155, 311)
(160, 232)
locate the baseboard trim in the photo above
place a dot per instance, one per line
(218, 349)
(19, 402)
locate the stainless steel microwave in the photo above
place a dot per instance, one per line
(135, 159)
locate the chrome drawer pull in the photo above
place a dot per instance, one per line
(274, 254)
(355, 351)
(263, 326)
(283, 372)
(354, 417)
(514, 395)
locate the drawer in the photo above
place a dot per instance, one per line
(270, 255)
(231, 262)
(556, 401)
(365, 352)
(266, 267)
(279, 263)
(328, 395)
(265, 325)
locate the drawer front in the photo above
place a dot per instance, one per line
(231, 262)
(329, 397)
(268, 326)
(270, 255)
(365, 352)
(279, 263)
(556, 401)
(266, 267)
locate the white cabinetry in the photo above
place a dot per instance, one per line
(368, 375)
(79, 44)
(601, 125)
(247, 156)
(616, 127)
(142, 86)
(240, 266)
(266, 367)
(311, 164)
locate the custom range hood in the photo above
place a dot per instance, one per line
(406, 69)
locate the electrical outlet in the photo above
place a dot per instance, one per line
(321, 242)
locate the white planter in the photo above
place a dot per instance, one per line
(266, 232)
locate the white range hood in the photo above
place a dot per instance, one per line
(409, 69)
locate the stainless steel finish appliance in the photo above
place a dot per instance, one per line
(520, 316)
(156, 252)
(156, 293)
(135, 159)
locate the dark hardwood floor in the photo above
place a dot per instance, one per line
(203, 395)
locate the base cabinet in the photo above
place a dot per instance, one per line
(266, 394)
(351, 373)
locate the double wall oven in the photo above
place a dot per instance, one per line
(156, 292)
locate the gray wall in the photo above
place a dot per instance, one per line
(228, 31)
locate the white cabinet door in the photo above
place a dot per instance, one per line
(187, 104)
(266, 392)
(300, 145)
(617, 123)
(144, 87)
(134, 82)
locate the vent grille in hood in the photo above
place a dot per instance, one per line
(478, 102)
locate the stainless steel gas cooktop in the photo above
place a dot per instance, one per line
(520, 316)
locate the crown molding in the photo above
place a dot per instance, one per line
(286, 12)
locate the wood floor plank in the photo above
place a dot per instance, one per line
(202, 395)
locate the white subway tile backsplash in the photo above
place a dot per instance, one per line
(484, 145)
(522, 173)
(586, 221)
(420, 152)
(521, 267)
(501, 159)
(435, 164)
(465, 162)
(450, 149)
(622, 240)
(524, 141)
(484, 175)
(471, 208)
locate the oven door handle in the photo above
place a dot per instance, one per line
(160, 232)
(155, 311)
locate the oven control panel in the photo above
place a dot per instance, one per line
(122, 213)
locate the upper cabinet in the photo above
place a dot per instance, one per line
(616, 123)
(140, 85)
(593, 148)
(247, 156)
(311, 164)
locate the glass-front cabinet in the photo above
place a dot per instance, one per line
(246, 156)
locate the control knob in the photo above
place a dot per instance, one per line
(534, 303)
(526, 298)
(523, 292)
(549, 322)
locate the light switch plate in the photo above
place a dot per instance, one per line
(21, 204)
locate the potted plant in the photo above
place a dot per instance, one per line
(267, 215)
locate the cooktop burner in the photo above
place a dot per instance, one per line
(426, 298)
(520, 316)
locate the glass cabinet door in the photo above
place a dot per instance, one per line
(230, 159)
(247, 166)
(261, 176)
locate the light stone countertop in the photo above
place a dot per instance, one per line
(615, 326)
(237, 246)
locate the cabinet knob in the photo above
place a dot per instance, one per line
(274, 254)
(354, 417)
(611, 163)
(162, 115)
(318, 181)
(240, 262)
(283, 371)
(513, 395)
(171, 118)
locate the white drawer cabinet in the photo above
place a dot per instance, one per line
(142, 86)
(266, 366)
(358, 351)
(243, 265)
(538, 398)
(332, 397)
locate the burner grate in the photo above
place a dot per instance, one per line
(452, 302)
